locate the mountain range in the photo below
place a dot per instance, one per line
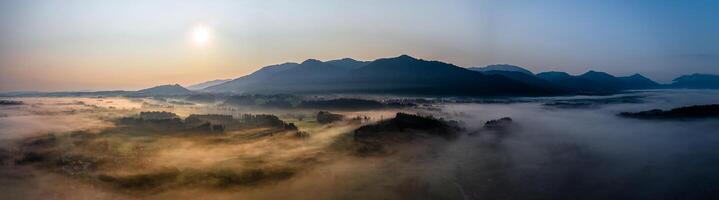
(408, 75)
(599, 82)
(697, 81)
(398, 75)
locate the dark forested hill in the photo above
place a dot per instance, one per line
(408, 75)
(162, 90)
(594, 82)
(400, 75)
(697, 81)
(501, 68)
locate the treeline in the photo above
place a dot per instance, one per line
(10, 102)
(410, 124)
(688, 112)
(281, 101)
(167, 121)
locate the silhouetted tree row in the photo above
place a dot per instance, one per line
(498, 124)
(404, 122)
(10, 102)
(324, 117)
(696, 111)
(167, 121)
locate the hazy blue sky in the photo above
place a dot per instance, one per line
(76, 45)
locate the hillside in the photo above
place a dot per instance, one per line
(697, 81)
(399, 75)
(207, 84)
(162, 90)
(501, 67)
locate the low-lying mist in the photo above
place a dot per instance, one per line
(547, 152)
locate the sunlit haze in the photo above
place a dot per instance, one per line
(201, 35)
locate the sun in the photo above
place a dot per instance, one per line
(201, 35)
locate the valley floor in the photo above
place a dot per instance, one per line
(552, 148)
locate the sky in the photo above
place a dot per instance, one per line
(99, 45)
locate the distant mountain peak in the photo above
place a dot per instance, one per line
(169, 89)
(697, 81)
(311, 61)
(347, 59)
(638, 76)
(502, 67)
(207, 84)
(695, 76)
(406, 57)
(555, 72)
(638, 81)
(592, 73)
(403, 59)
(347, 63)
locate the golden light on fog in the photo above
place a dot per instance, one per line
(201, 35)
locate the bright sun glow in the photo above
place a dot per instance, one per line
(201, 35)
